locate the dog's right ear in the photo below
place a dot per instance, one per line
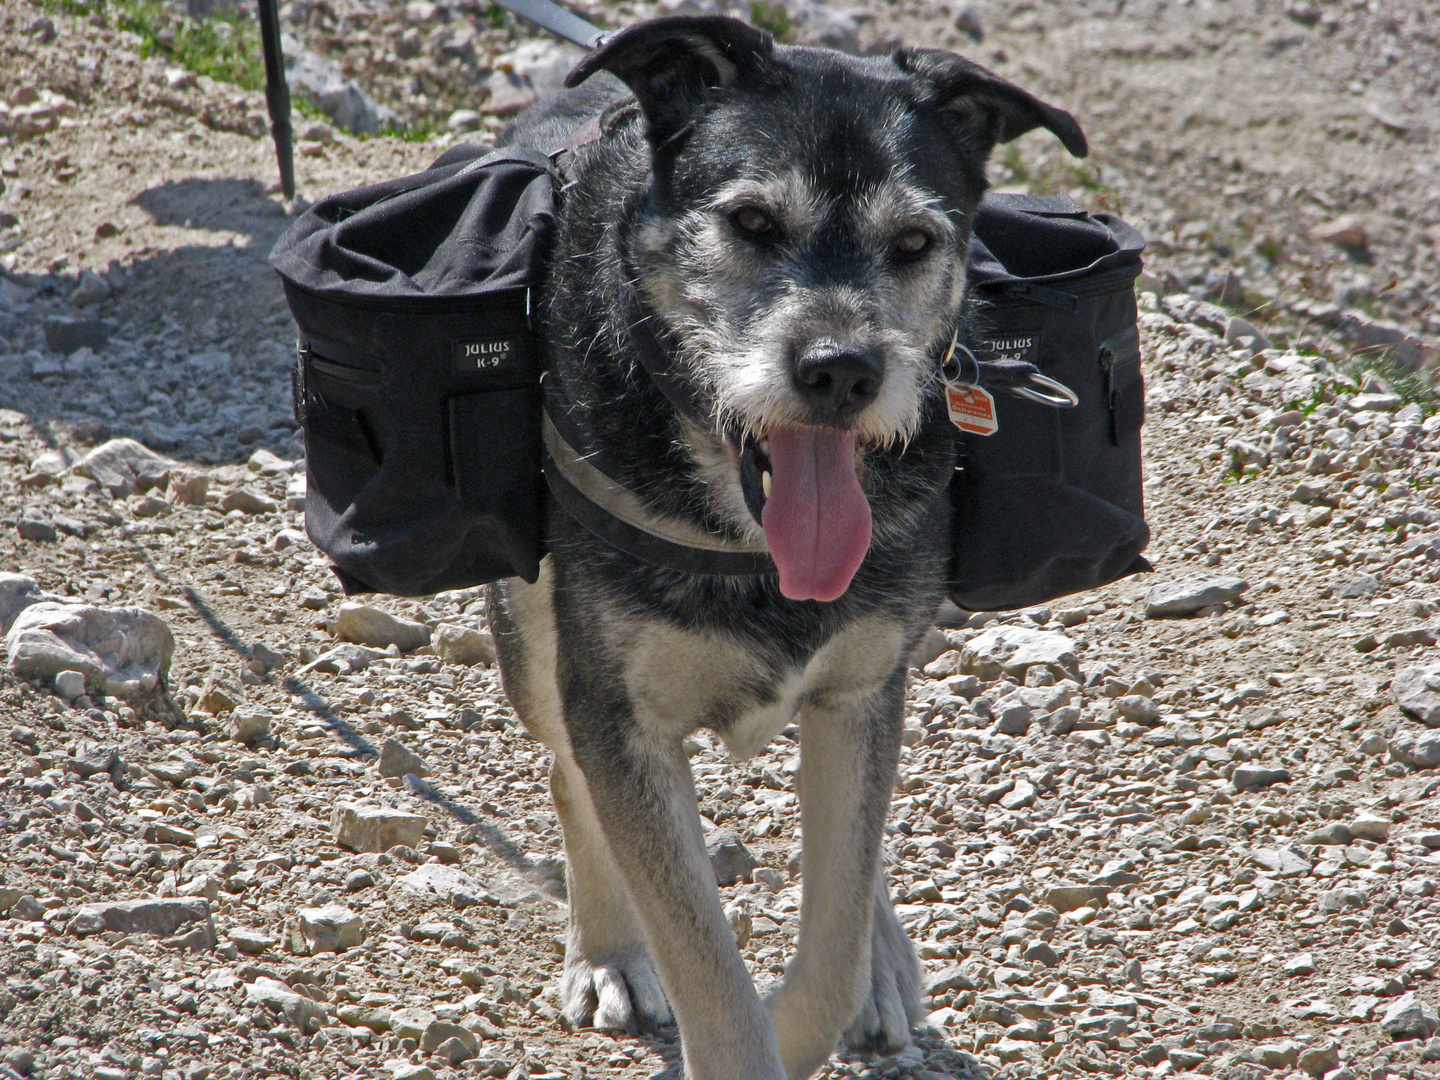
(994, 110)
(672, 64)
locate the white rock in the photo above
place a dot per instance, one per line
(397, 759)
(365, 625)
(451, 882)
(123, 651)
(1420, 749)
(1417, 691)
(1012, 650)
(457, 644)
(250, 725)
(121, 466)
(1189, 595)
(540, 62)
(375, 828)
(332, 928)
(70, 684)
(1409, 1017)
(299, 1011)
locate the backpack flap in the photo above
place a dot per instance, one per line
(1052, 503)
(418, 383)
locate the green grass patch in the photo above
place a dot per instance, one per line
(1412, 387)
(224, 47)
(772, 17)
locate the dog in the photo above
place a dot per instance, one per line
(790, 225)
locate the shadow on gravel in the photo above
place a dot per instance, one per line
(188, 350)
(227, 204)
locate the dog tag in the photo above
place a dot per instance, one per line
(972, 408)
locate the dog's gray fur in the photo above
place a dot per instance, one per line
(612, 662)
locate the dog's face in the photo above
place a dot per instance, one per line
(803, 246)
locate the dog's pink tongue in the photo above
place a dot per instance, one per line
(817, 520)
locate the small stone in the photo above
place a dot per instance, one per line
(1278, 1054)
(1304, 964)
(70, 684)
(218, 696)
(1343, 900)
(1138, 709)
(345, 659)
(462, 645)
(1065, 898)
(1346, 231)
(1188, 596)
(1370, 827)
(365, 625)
(1418, 749)
(1319, 1058)
(91, 758)
(463, 120)
(299, 1011)
(1336, 833)
(1282, 862)
(1409, 1017)
(164, 832)
(65, 335)
(729, 859)
(410, 1023)
(396, 760)
(1256, 777)
(1022, 795)
(248, 502)
(1012, 717)
(17, 592)
(358, 880)
(1013, 650)
(249, 940)
(329, 929)
(1040, 952)
(188, 487)
(508, 94)
(313, 599)
(149, 915)
(375, 828)
(1417, 692)
(91, 290)
(36, 530)
(250, 726)
(1357, 588)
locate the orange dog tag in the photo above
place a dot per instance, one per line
(972, 408)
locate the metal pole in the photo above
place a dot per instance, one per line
(277, 95)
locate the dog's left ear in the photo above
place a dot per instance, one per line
(996, 109)
(672, 64)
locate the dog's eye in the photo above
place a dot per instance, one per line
(912, 241)
(754, 221)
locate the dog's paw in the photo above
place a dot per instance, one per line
(623, 995)
(882, 1026)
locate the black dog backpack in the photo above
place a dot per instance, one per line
(418, 386)
(418, 380)
(1052, 503)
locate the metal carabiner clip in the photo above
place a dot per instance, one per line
(1059, 397)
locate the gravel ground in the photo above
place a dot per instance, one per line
(1203, 844)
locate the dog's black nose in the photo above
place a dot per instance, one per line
(837, 381)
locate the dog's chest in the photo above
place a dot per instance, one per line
(680, 680)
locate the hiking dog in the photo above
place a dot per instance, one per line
(758, 267)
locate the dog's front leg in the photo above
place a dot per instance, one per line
(849, 751)
(645, 800)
